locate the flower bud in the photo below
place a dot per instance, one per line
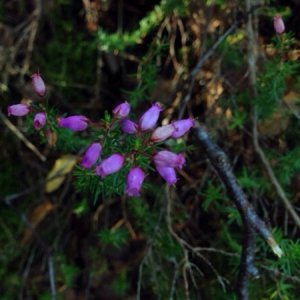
(38, 85)
(278, 24)
(74, 122)
(162, 133)
(168, 174)
(91, 155)
(168, 159)
(110, 165)
(181, 127)
(149, 118)
(121, 111)
(39, 120)
(128, 126)
(18, 110)
(134, 181)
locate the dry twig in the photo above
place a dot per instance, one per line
(20, 135)
(250, 219)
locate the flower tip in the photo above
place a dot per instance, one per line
(133, 192)
(122, 110)
(75, 123)
(278, 24)
(277, 250)
(150, 117)
(91, 155)
(39, 120)
(162, 133)
(38, 84)
(110, 165)
(168, 159)
(18, 110)
(134, 182)
(182, 126)
(128, 126)
(168, 174)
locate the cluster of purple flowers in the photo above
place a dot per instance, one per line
(24, 109)
(165, 161)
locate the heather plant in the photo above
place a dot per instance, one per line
(116, 156)
(132, 153)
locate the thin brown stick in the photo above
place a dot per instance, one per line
(220, 162)
(181, 243)
(279, 190)
(20, 135)
(186, 246)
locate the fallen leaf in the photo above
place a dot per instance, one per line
(280, 118)
(277, 124)
(293, 54)
(62, 166)
(36, 216)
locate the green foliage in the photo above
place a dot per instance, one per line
(271, 10)
(115, 41)
(252, 180)
(48, 296)
(67, 53)
(178, 6)
(179, 146)
(282, 272)
(139, 210)
(147, 74)
(94, 185)
(116, 237)
(81, 208)
(288, 164)
(222, 3)
(271, 83)
(67, 271)
(70, 141)
(231, 51)
(281, 292)
(120, 284)
(232, 240)
(237, 120)
(8, 184)
(289, 263)
(213, 195)
(214, 199)
(9, 252)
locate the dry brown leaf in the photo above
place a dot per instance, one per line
(293, 54)
(36, 216)
(280, 118)
(62, 165)
(51, 137)
(276, 125)
(293, 98)
(270, 51)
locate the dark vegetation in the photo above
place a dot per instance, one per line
(219, 62)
